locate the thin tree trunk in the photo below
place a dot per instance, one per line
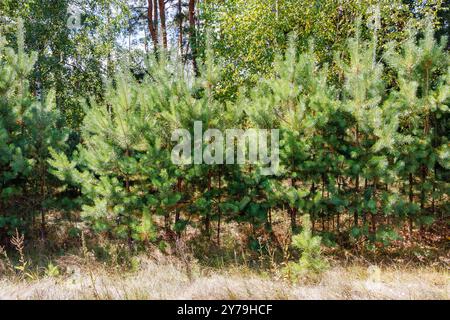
(207, 217)
(192, 35)
(294, 211)
(422, 197)
(128, 188)
(374, 214)
(177, 210)
(355, 217)
(338, 222)
(43, 196)
(219, 212)
(162, 14)
(433, 205)
(156, 18)
(411, 200)
(364, 213)
(293, 219)
(324, 217)
(180, 28)
(313, 215)
(152, 24)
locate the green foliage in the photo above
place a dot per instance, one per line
(52, 271)
(254, 32)
(70, 62)
(358, 91)
(28, 127)
(311, 261)
(363, 149)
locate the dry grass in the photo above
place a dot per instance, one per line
(168, 278)
(224, 273)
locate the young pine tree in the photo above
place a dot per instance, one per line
(421, 102)
(28, 127)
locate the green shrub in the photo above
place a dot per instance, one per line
(311, 262)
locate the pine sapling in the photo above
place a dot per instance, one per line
(311, 261)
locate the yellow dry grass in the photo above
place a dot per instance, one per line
(170, 279)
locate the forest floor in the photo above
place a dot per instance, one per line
(415, 268)
(171, 278)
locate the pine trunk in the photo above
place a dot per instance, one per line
(192, 35)
(152, 24)
(162, 15)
